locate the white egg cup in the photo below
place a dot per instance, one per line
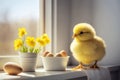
(55, 63)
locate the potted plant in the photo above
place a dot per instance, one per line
(29, 48)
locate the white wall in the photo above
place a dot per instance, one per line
(104, 15)
(107, 23)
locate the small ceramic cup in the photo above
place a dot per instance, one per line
(55, 63)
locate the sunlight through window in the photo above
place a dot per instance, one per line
(15, 14)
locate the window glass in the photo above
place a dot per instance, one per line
(15, 14)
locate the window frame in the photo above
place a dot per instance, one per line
(57, 24)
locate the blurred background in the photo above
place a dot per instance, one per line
(15, 14)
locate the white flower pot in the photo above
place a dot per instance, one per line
(28, 61)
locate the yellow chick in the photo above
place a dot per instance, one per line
(87, 48)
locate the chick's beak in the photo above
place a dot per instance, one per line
(74, 35)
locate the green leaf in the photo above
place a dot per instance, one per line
(24, 49)
(31, 50)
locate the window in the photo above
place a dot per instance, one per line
(15, 14)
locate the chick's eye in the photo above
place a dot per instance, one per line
(81, 32)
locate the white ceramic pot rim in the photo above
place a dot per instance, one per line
(28, 55)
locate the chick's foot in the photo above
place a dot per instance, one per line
(95, 66)
(79, 67)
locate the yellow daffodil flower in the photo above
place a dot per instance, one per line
(41, 41)
(28, 44)
(45, 38)
(30, 41)
(17, 44)
(22, 32)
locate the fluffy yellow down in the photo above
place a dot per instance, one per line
(87, 50)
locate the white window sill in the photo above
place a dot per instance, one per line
(41, 74)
